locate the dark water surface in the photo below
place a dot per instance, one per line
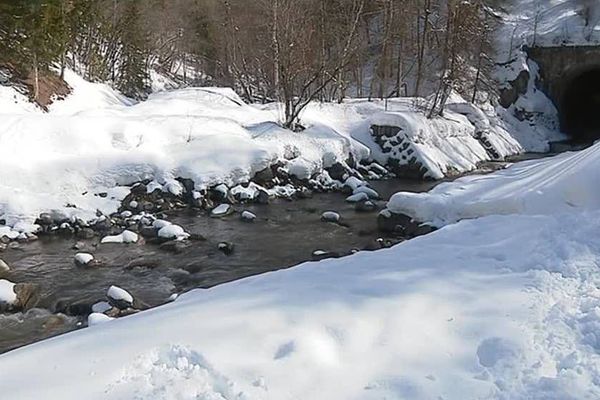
(284, 234)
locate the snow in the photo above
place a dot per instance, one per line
(500, 303)
(7, 292)
(172, 231)
(96, 140)
(221, 209)
(96, 318)
(499, 307)
(83, 258)
(330, 216)
(248, 216)
(124, 237)
(8, 232)
(563, 183)
(160, 223)
(441, 144)
(555, 23)
(116, 293)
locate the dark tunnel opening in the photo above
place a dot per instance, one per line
(580, 107)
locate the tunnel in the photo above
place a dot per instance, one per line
(579, 109)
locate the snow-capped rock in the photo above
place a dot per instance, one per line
(330, 216)
(8, 297)
(119, 297)
(160, 223)
(248, 216)
(125, 237)
(226, 247)
(83, 259)
(173, 187)
(221, 210)
(172, 231)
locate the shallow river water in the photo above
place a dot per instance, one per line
(284, 234)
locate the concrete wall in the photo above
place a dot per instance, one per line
(560, 65)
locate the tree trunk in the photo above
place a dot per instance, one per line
(422, 44)
(36, 78)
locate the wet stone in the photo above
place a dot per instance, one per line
(28, 295)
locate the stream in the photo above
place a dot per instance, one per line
(284, 234)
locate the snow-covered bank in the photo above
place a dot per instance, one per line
(454, 143)
(563, 183)
(97, 141)
(499, 307)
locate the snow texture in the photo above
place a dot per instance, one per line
(501, 307)
(83, 258)
(96, 318)
(563, 183)
(116, 293)
(7, 292)
(98, 141)
(172, 231)
(124, 237)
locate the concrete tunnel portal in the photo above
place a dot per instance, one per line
(579, 108)
(570, 77)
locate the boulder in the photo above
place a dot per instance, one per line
(28, 295)
(248, 216)
(172, 232)
(226, 247)
(372, 194)
(119, 298)
(390, 222)
(83, 259)
(221, 210)
(331, 216)
(338, 172)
